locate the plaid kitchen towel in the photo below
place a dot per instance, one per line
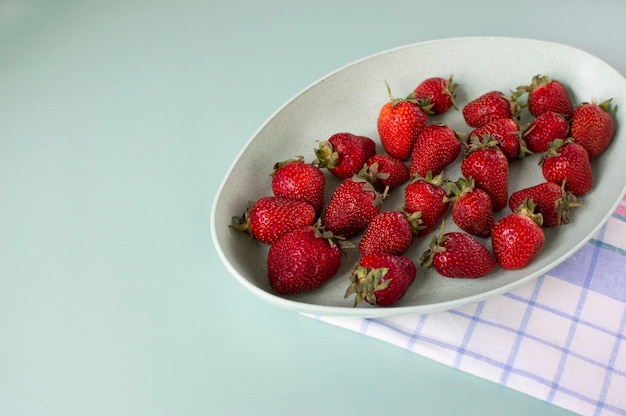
(560, 338)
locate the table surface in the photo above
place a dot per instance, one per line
(118, 121)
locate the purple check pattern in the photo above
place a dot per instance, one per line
(560, 338)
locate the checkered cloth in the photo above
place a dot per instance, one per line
(560, 338)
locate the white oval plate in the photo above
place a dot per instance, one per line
(350, 98)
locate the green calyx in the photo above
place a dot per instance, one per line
(487, 141)
(365, 282)
(278, 165)
(414, 219)
(325, 155)
(527, 209)
(435, 247)
(241, 223)
(450, 86)
(425, 105)
(369, 177)
(376, 175)
(554, 149)
(563, 205)
(537, 82)
(605, 105)
(455, 190)
(516, 107)
(437, 180)
(334, 240)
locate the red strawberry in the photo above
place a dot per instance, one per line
(518, 238)
(507, 132)
(593, 126)
(390, 172)
(301, 181)
(545, 128)
(381, 279)
(270, 217)
(489, 167)
(437, 93)
(389, 232)
(490, 106)
(399, 122)
(552, 201)
(303, 259)
(458, 255)
(353, 204)
(472, 209)
(436, 147)
(568, 161)
(546, 94)
(426, 196)
(344, 154)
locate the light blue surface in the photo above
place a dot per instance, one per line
(118, 121)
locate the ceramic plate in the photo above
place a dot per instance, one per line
(349, 99)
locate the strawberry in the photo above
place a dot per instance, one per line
(507, 132)
(295, 179)
(303, 259)
(543, 129)
(567, 161)
(426, 196)
(390, 172)
(437, 93)
(490, 106)
(489, 167)
(389, 232)
(472, 209)
(353, 204)
(593, 126)
(344, 154)
(552, 201)
(399, 122)
(458, 255)
(518, 238)
(270, 217)
(546, 94)
(381, 279)
(436, 147)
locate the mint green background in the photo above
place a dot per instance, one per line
(118, 120)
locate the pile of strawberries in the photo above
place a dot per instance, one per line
(309, 236)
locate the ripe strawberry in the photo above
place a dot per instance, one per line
(270, 217)
(543, 129)
(552, 201)
(458, 255)
(518, 238)
(399, 122)
(390, 172)
(490, 106)
(353, 204)
(472, 209)
(344, 154)
(507, 132)
(436, 147)
(426, 196)
(546, 94)
(567, 161)
(381, 279)
(389, 232)
(303, 259)
(298, 180)
(489, 167)
(593, 126)
(437, 93)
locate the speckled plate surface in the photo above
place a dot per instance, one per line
(350, 98)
